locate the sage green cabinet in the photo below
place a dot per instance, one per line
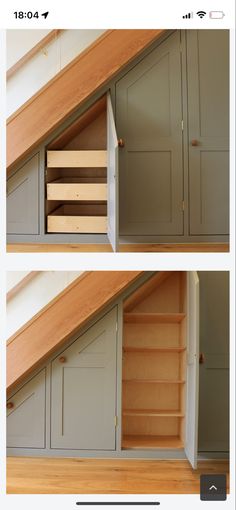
(23, 199)
(214, 372)
(149, 115)
(26, 415)
(208, 110)
(83, 399)
(168, 177)
(175, 102)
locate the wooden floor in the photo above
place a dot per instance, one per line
(106, 476)
(138, 248)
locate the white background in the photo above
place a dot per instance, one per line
(101, 14)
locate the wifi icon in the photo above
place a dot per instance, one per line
(201, 14)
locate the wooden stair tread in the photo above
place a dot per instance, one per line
(151, 442)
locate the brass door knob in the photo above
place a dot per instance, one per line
(202, 358)
(194, 143)
(121, 142)
(10, 405)
(62, 359)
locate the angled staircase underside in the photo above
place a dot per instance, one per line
(62, 318)
(70, 88)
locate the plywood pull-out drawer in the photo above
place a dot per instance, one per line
(76, 159)
(60, 190)
(89, 219)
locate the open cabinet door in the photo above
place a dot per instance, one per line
(112, 179)
(191, 442)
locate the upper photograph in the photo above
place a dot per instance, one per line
(118, 140)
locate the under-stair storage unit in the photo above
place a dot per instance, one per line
(129, 389)
(154, 364)
(79, 172)
(169, 121)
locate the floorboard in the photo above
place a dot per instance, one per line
(138, 248)
(106, 476)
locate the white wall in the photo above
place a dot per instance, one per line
(44, 65)
(19, 42)
(35, 295)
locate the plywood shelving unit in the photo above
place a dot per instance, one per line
(154, 364)
(76, 175)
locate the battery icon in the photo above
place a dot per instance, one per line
(216, 14)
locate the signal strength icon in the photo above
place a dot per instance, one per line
(201, 14)
(188, 16)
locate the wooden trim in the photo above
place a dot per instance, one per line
(70, 88)
(20, 285)
(61, 318)
(31, 53)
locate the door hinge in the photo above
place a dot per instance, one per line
(116, 327)
(182, 125)
(183, 205)
(116, 421)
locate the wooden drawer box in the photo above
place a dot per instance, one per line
(76, 159)
(87, 219)
(61, 189)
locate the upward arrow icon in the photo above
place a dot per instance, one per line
(213, 487)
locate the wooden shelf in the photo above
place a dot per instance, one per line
(154, 349)
(153, 381)
(151, 442)
(154, 317)
(153, 412)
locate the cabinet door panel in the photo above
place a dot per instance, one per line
(26, 419)
(208, 109)
(112, 179)
(84, 390)
(192, 390)
(23, 199)
(149, 114)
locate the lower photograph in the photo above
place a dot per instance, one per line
(117, 381)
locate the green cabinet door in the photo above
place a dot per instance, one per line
(23, 199)
(208, 110)
(83, 397)
(26, 415)
(149, 115)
